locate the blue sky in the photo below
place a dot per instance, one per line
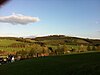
(66, 17)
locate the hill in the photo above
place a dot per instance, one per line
(75, 64)
(52, 40)
(62, 39)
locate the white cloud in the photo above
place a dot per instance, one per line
(18, 19)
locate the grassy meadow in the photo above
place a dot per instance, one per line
(72, 64)
(7, 42)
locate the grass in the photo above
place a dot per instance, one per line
(7, 42)
(10, 49)
(75, 64)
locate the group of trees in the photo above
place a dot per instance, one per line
(34, 50)
(37, 50)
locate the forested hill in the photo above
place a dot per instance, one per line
(67, 40)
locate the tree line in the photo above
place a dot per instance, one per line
(37, 50)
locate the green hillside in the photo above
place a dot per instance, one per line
(76, 64)
(7, 42)
(62, 39)
(12, 44)
(49, 40)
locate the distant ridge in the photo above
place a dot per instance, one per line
(67, 39)
(57, 39)
(29, 36)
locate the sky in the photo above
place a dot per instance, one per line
(78, 18)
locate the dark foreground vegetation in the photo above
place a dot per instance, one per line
(72, 64)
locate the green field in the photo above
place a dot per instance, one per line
(7, 42)
(4, 43)
(74, 64)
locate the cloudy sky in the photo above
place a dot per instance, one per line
(46, 17)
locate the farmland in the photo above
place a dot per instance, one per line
(59, 44)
